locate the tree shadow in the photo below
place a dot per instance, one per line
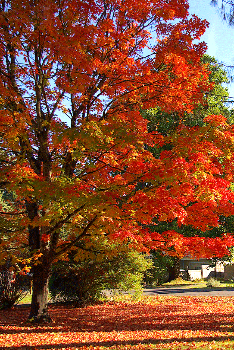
(187, 291)
(148, 341)
(119, 317)
(122, 317)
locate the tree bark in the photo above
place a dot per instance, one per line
(174, 270)
(39, 303)
(40, 270)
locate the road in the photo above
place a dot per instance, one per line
(181, 291)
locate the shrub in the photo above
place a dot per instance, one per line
(85, 281)
(13, 286)
(212, 282)
(75, 282)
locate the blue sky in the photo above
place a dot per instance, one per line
(219, 35)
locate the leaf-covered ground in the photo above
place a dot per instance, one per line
(160, 322)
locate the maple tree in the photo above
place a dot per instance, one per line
(74, 77)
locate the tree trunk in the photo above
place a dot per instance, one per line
(174, 270)
(39, 303)
(40, 269)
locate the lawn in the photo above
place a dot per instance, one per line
(200, 283)
(159, 322)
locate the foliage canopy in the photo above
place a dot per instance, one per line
(74, 76)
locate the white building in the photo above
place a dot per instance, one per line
(197, 269)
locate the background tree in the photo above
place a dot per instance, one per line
(74, 77)
(164, 269)
(167, 124)
(213, 102)
(226, 8)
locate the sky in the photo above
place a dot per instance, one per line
(219, 35)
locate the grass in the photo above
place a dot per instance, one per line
(186, 284)
(227, 283)
(179, 282)
(26, 299)
(196, 283)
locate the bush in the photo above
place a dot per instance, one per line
(13, 286)
(85, 281)
(75, 282)
(212, 282)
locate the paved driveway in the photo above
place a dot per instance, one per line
(180, 291)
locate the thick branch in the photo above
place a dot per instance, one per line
(67, 246)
